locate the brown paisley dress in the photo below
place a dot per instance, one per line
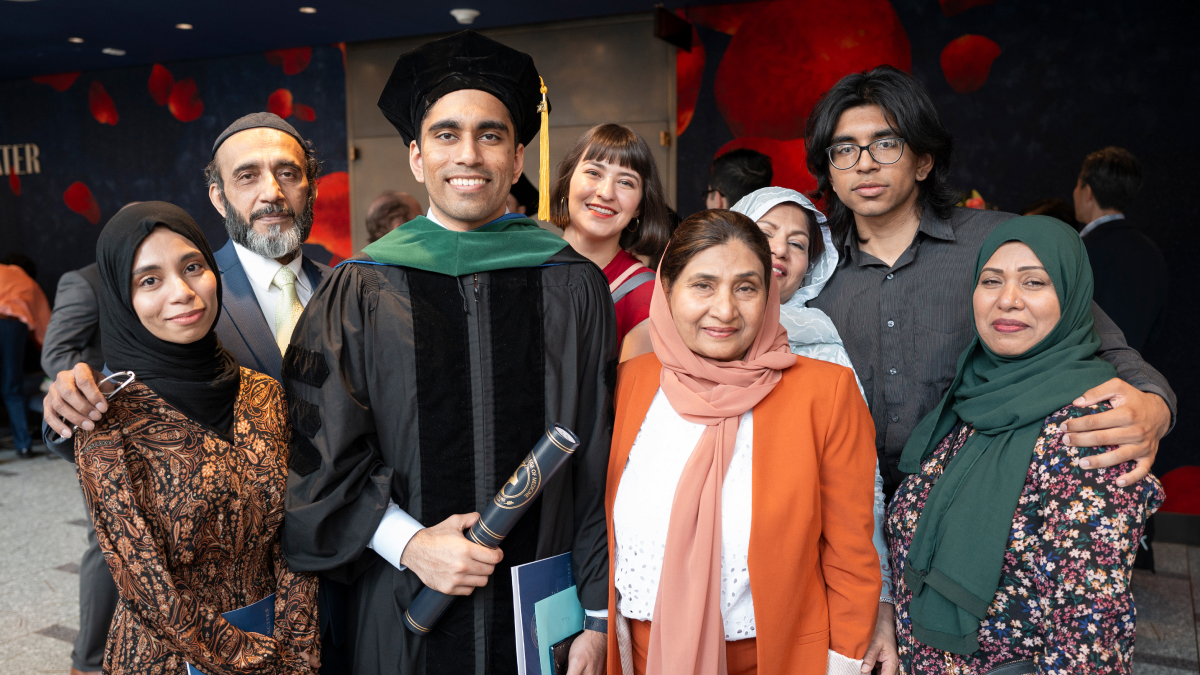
(189, 525)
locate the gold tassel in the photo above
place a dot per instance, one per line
(543, 213)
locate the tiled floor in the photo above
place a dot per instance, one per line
(41, 512)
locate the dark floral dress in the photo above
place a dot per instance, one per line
(1063, 598)
(189, 525)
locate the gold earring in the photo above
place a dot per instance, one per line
(637, 223)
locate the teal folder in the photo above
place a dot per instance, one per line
(557, 617)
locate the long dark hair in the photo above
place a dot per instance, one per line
(909, 109)
(617, 144)
(706, 229)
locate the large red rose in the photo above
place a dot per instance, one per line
(783, 58)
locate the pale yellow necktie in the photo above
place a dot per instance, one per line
(288, 309)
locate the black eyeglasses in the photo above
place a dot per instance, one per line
(884, 151)
(704, 195)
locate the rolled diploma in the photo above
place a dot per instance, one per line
(501, 515)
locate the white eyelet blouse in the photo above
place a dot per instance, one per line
(643, 507)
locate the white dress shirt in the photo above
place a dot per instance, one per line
(261, 273)
(643, 508)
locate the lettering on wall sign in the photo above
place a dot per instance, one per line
(20, 159)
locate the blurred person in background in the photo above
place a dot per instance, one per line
(1130, 271)
(610, 202)
(1053, 207)
(73, 337)
(24, 313)
(523, 198)
(389, 211)
(736, 174)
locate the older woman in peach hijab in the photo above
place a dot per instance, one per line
(739, 486)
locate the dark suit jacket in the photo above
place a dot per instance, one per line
(1131, 280)
(73, 334)
(242, 327)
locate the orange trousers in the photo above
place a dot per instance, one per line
(741, 655)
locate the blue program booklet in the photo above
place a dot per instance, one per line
(530, 583)
(257, 618)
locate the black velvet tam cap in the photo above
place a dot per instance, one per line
(465, 60)
(259, 120)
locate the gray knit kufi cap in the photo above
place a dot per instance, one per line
(259, 120)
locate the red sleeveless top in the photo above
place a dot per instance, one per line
(633, 306)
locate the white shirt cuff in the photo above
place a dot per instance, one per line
(393, 534)
(596, 613)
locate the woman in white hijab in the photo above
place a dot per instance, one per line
(803, 258)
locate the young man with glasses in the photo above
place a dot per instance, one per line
(882, 159)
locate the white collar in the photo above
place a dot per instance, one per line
(261, 271)
(1100, 221)
(429, 215)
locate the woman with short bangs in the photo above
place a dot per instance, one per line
(1012, 554)
(736, 465)
(186, 474)
(610, 203)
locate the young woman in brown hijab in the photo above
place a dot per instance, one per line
(736, 465)
(186, 474)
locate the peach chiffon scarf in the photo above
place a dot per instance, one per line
(687, 635)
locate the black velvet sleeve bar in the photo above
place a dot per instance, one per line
(339, 484)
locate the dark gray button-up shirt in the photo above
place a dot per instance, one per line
(904, 326)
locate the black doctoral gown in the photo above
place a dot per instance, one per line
(429, 390)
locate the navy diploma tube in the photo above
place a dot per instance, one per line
(501, 515)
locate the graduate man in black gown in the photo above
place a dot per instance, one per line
(427, 366)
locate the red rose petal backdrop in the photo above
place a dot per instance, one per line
(101, 105)
(160, 84)
(133, 133)
(967, 61)
(331, 214)
(952, 7)
(60, 82)
(689, 67)
(304, 112)
(79, 199)
(293, 61)
(784, 57)
(184, 101)
(280, 103)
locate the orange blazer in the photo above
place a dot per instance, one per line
(814, 572)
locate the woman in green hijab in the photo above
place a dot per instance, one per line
(1011, 557)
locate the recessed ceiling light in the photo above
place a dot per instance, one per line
(183, 26)
(464, 16)
(308, 10)
(113, 51)
(77, 41)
